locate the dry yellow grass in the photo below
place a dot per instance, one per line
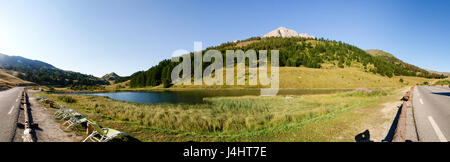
(118, 85)
(245, 43)
(349, 77)
(246, 118)
(7, 80)
(352, 77)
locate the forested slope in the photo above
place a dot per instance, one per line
(298, 52)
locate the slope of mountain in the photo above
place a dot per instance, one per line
(378, 53)
(299, 52)
(110, 77)
(45, 74)
(8, 80)
(18, 61)
(437, 72)
(402, 67)
(113, 78)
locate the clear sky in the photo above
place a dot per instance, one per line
(101, 36)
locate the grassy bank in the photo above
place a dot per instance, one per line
(442, 82)
(248, 118)
(302, 77)
(328, 77)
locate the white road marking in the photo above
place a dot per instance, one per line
(10, 111)
(17, 99)
(421, 101)
(437, 130)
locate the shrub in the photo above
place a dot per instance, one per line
(51, 89)
(67, 99)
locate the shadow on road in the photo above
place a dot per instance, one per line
(442, 93)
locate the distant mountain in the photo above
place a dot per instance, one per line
(45, 74)
(110, 77)
(284, 32)
(17, 61)
(437, 72)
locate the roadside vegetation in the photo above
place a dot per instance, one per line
(442, 83)
(67, 99)
(248, 118)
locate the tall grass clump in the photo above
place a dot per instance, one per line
(368, 92)
(67, 99)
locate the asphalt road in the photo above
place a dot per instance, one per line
(9, 102)
(432, 113)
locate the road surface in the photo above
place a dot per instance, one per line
(432, 113)
(9, 102)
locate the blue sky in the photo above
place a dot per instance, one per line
(101, 36)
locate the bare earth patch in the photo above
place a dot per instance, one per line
(387, 113)
(49, 129)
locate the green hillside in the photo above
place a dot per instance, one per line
(402, 67)
(299, 52)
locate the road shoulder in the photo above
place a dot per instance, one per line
(49, 130)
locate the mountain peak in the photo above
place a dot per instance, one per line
(285, 32)
(282, 28)
(110, 76)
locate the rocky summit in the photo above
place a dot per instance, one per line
(284, 32)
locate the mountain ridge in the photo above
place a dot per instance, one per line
(45, 74)
(6, 60)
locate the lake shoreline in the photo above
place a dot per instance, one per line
(64, 90)
(192, 96)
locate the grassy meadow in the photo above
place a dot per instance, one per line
(249, 118)
(318, 117)
(302, 77)
(442, 82)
